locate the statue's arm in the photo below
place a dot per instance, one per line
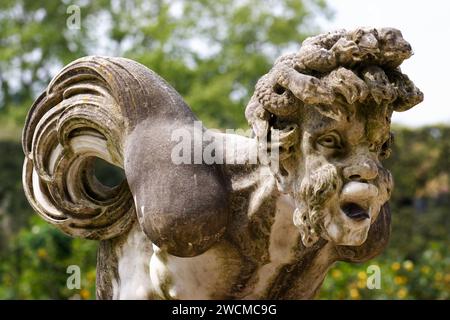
(120, 111)
(182, 208)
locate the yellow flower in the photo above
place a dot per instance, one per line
(425, 269)
(438, 276)
(336, 274)
(447, 277)
(399, 280)
(408, 265)
(362, 275)
(354, 294)
(85, 294)
(395, 266)
(42, 253)
(362, 284)
(402, 293)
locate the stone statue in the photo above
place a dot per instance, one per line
(236, 229)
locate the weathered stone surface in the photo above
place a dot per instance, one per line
(235, 229)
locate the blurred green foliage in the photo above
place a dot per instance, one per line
(37, 262)
(426, 278)
(212, 52)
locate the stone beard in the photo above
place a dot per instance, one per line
(231, 229)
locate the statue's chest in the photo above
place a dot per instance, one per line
(223, 271)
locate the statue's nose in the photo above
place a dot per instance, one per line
(364, 170)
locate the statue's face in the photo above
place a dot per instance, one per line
(342, 185)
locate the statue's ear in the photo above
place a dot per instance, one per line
(376, 242)
(284, 146)
(278, 143)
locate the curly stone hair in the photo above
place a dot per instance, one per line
(340, 67)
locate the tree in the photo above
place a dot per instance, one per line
(212, 52)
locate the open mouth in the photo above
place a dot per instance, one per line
(354, 211)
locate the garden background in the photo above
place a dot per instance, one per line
(212, 52)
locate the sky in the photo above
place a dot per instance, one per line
(426, 26)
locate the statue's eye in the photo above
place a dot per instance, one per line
(331, 140)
